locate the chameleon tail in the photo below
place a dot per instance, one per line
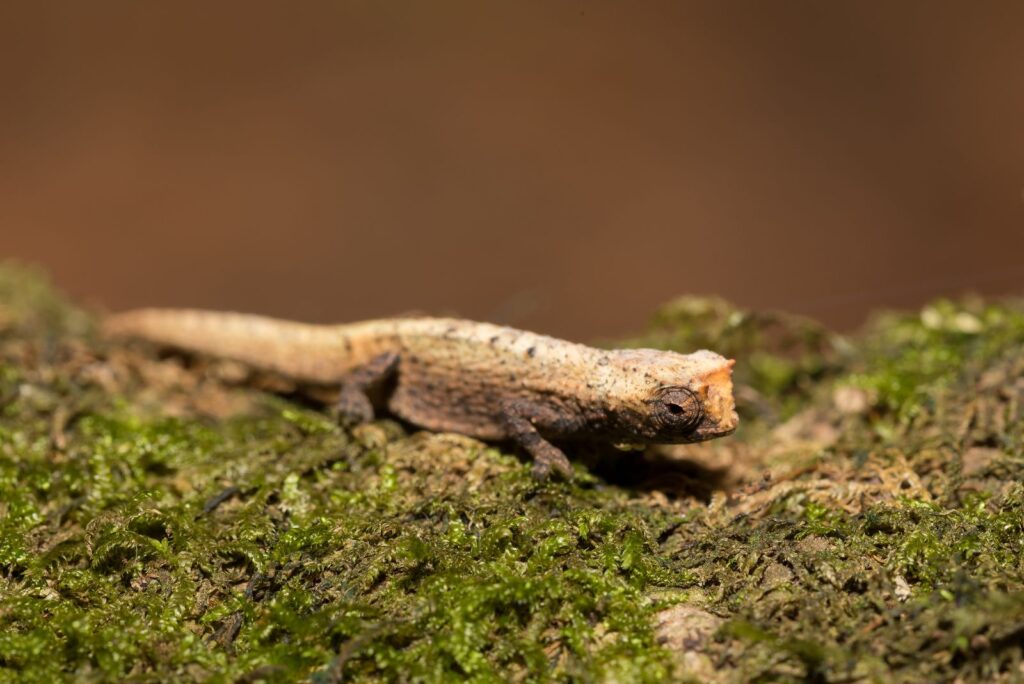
(305, 352)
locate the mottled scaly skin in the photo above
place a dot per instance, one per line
(478, 379)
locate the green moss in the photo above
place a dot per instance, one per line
(159, 524)
(408, 575)
(910, 359)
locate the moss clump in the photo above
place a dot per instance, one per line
(908, 360)
(160, 521)
(262, 546)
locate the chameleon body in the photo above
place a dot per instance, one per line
(478, 379)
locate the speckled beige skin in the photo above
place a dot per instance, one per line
(478, 379)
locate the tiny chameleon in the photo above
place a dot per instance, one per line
(486, 381)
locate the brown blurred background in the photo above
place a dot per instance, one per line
(564, 166)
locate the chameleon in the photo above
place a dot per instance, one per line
(486, 381)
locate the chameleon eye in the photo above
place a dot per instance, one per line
(681, 408)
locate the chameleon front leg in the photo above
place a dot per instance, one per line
(353, 404)
(518, 418)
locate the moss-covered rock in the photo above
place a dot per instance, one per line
(162, 521)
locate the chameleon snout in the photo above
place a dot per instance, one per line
(715, 390)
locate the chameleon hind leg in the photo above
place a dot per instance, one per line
(353, 405)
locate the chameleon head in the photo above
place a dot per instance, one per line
(682, 398)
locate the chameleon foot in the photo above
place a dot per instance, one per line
(546, 456)
(353, 404)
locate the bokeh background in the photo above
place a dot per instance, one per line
(563, 166)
